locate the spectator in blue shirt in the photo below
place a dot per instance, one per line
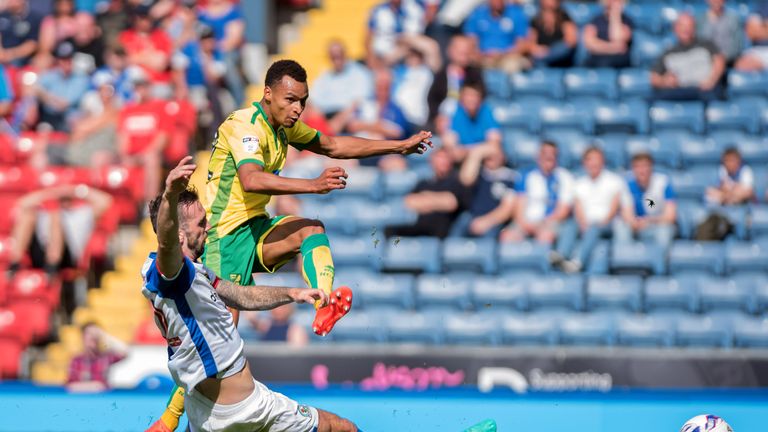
(609, 36)
(203, 68)
(501, 30)
(61, 89)
(19, 32)
(756, 57)
(6, 93)
(394, 27)
(472, 124)
(228, 24)
(648, 207)
(346, 83)
(736, 181)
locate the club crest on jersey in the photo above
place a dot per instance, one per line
(250, 143)
(304, 411)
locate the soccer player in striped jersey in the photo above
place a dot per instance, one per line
(205, 352)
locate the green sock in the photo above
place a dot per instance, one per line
(317, 263)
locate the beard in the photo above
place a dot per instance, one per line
(197, 247)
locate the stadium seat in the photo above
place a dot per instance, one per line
(565, 116)
(719, 294)
(450, 291)
(664, 293)
(37, 317)
(695, 151)
(31, 285)
(664, 155)
(571, 144)
(647, 258)
(472, 254)
(472, 329)
(590, 82)
(614, 292)
(354, 251)
(538, 82)
(753, 149)
(647, 48)
(380, 291)
(335, 215)
(761, 183)
(497, 83)
(521, 113)
(12, 326)
(648, 17)
(556, 291)
(287, 279)
(399, 184)
(688, 255)
(501, 293)
(713, 330)
(373, 216)
(722, 115)
(525, 255)
(414, 254)
(613, 145)
(747, 83)
(363, 182)
(677, 116)
(360, 326)
(582, 13)
(634, 84)
(641, 330)
(750, 332)
(626, 116)
(530, 329)
(414, 327)
(10, 361)
(758, 223)
(600, 260)
(587, 329)
(693, 182)
(745, 256)
(520, 149)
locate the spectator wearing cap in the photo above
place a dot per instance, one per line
(756, 57)
(149, 48)
(19, 32)
(692, 69)
(736, 181)
(648, 205)
(608, 37)
(346, 83)
(226, 20)
(722, 27)
(61, 89)
(472, 124)
(66, 24)
(500, 29)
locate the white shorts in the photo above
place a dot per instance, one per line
(263, 410)
(759, 52)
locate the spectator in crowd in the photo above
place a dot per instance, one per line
(6, 94)
(202, 68)
(150, 49)
(461, 66)
(608, 37)
(61, 89)
(226, 20)
(346, 83)
(493, 197)
(68, 25)
(756, 58)
(552, 37)
(112, 20)
(393, 27)
(736, 181)
(279, 327)
(54, 225)
(597, 196)
(438, 201)
(19, 32)
(88, 372)
(412, 80)
(544, 201)
(117, 69)
(648, 207)
(143, 133)
(692, 69)
(722, 28)
(500, 29)
(472, 124)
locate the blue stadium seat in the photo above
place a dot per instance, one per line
(614, 292)
(520, 149)
(283, 278)
(737, 215)
(600, 260)
(758, 220)
(695, 151)
(647, 258)
(371, 216)
(642, 330)
(646, 48)
(565, 116)
(761, 182)
(556, 291)
(666, 156)
(538, 82)
(594, 328)
(691, 183)
(398, 184)
(663, 293)
(713, 330)
(650, 17)
(613, 146)
(722, 115)
(475, 254)
(719, 294)
(472, 329)
(625, 116)
(688, 255)
(416, 254)
(354, 251)
(582, 13)
(334, 215)
(360, 326)
(590, 82)
(526, 255)
(501, 293)
(634, 83)
(414, 327)
(521, 113)
(759, 283)
(754, 150)
(750, 332)
(571, 144)
(745, 256)
(667, 115)
(379, 291)
(363, 182)
(497, 83)
(747, 83)
(450, 291)
(530, 329)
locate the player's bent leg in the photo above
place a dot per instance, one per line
(330, 422)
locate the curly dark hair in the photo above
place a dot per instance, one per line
(281, 68)
(188, 197)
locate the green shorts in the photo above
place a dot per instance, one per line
(239, 254)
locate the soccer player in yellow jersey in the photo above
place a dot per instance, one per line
(244, 173)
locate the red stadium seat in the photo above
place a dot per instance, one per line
(184, 119)
(35, 317)
(126, 184)
(7, 204)
(30, 285)
(12, 327)
(10, 361)
(148, 333)
(16, 179)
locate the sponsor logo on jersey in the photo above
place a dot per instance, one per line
(250, 143)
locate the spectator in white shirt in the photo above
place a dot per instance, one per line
(648, 207)
(346, 83)
(737, 182)
(596, 204)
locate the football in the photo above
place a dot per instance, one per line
(706, 423)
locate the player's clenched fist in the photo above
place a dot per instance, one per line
(178, 178)
(330, 179)
(417, 143)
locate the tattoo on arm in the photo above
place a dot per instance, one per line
(252, 297)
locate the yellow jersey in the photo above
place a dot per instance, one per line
(246, 137)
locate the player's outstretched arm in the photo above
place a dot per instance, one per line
(169, 255)
(256, 180)
(254, 297)
(349, 147)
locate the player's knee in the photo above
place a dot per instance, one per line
(312, 226)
